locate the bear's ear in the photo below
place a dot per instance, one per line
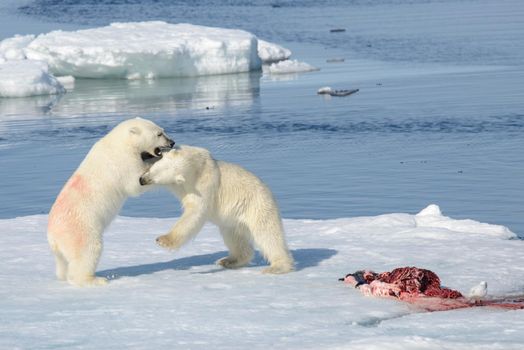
(180, 179)
(134, 130)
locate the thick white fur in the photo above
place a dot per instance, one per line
(94, 195)
(234, 199)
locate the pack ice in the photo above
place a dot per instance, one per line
(145, 50)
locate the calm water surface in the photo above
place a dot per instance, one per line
(439, 117)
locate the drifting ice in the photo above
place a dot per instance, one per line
(13, 48)
(269, 52)
(27, 78)
(145, 50)
(290, 66)
(141, 50)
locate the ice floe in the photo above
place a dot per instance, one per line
(68, 81)
(14, 48)
(139, 50)
(289, 67)
(269, 52)
(170, 297)
(146, 50)
(20, 78)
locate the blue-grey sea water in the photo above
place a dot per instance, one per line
(439, 117)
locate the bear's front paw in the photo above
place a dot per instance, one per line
(167, 241)
(227, 262)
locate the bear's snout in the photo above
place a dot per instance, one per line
(159, 150)
(144, 180)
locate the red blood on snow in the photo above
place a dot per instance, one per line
(421, 288)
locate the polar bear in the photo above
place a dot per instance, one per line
(94, 194)
(234, 199)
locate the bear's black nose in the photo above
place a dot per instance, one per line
(142, 181)
(171, 143)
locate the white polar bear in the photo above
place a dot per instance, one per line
(94, 194)
(234, 199)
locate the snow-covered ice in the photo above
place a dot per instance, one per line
(269, 52)
(68, 81)
(159, 299)
(13, 48)
(134, 50)
(145, 50)
(27, 78)
(289, 67)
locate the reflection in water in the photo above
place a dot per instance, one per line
(27, 107)
(100, 96)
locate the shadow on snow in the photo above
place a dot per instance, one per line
(304, 258)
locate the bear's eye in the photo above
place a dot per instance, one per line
(159, 134)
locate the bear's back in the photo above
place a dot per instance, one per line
(241, 184)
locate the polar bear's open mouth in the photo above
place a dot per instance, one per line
(157, 153)
(146, 156)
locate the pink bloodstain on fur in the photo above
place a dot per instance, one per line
(64, 222)
(77, 183)
(421, 288)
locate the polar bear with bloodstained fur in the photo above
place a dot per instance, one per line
(94, 194)
(234, 199)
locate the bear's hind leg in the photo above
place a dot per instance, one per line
(81, 269)
(273, 246)
(238, 242)
(61, 266)
(60, 260)
(81, 274)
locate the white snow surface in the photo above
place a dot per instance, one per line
(67, 81)
(269, 52)
(13, 48)
(146, 50)
(163, 300)
(27, 78)
(289, 67)
(151, 49)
